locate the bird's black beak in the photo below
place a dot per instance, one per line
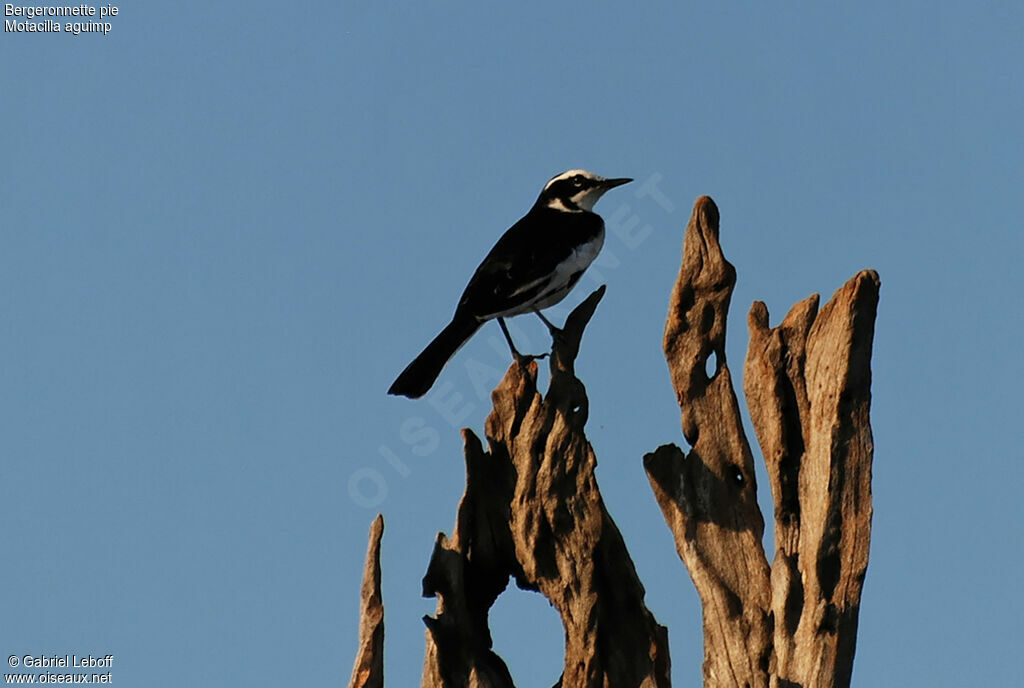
(612, 183)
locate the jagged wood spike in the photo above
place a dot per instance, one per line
(709, 496)
(808, 383)
(467, 573)
(368, 670)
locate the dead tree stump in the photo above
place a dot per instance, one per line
(532, 510)
(808, 384)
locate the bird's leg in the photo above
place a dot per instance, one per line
(556, 332)
(520, 358)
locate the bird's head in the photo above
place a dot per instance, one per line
(576, 190)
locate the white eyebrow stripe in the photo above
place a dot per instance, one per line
(570, 173)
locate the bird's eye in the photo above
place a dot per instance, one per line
(577, 180)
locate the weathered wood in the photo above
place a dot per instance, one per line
(807, 384)
(709, 496)
(777, 398)
(368, 670)
(532, 506)
(467, 573)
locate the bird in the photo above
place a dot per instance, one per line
(533, 266)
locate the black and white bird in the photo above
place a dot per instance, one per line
(533, 266)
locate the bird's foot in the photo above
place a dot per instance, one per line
(557, 334)
(558, 338)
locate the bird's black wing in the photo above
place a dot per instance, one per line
(519, 266)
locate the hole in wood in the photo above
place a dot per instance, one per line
(534, 657)
(711, 365)
(736, 476)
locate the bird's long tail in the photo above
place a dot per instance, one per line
(418, 377)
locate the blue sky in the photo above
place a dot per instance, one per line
(226, 228)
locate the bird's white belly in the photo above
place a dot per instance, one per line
(559, 283)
